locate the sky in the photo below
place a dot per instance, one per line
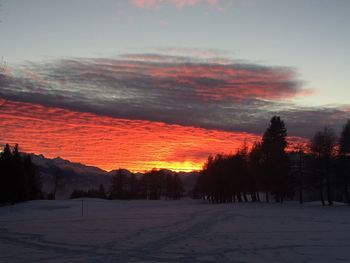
(139, 84)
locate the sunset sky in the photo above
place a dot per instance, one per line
(139, 84)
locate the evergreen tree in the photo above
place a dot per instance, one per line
(33, 178)
(255, 167)
(323, 148)
(151, 184)
(19, 179)
(6, 179)
(20, 183)
(344, 158)
(277, 176)
(119, 186)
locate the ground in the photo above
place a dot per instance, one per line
(173, 231)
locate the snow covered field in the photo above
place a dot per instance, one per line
(173, 231)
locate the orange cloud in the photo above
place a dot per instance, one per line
(111, 143)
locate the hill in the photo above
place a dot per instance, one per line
(83, 177)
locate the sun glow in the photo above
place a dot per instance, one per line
(111, 143)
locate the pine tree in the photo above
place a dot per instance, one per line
(20, 180)
(5, 175)
(33, 177)
(276, 172)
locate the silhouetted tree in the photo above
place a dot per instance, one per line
(323, 148)
(33, 179)
(277, 177)
(151, 183)
(344, 158)
(241, 176)
(268, 168)
(118, 188)
(255, 164)
(202, 184)
(92, 193)
(6, 178)
(19, 179)
(298, 168)
(227, 178)
(177, 187)
(133, 187)
(174, 187)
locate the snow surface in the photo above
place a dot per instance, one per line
(173, 231)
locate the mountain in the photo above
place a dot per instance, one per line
(73, 176)
(78, 168)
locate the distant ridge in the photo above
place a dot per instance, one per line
(83, 177)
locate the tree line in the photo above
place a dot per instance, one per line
(91, 193)
(19, 177)
(20, 181)
(318, 170)
(152, 185)
(267, 170)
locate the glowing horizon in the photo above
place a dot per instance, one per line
(110, 143)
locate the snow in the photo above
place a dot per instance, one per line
(173, 231)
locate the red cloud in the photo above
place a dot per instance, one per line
(171, 89)
(222, 82)
(200, 80)
(111, 143)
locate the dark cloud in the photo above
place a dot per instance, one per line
(171, 89)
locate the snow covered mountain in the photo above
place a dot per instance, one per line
(73, 176)
(78, 168)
